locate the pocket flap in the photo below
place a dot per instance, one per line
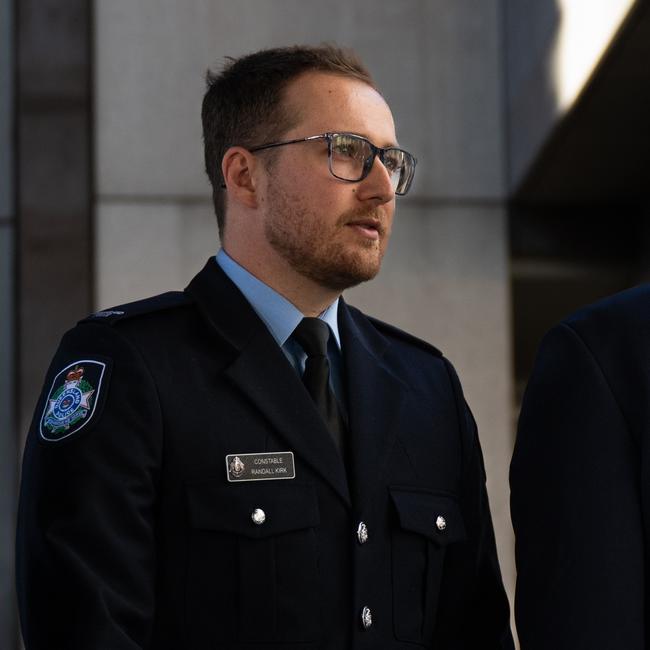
(434, 515)
(280, 507)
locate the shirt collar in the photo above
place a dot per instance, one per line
(278, 314)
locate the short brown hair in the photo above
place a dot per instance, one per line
(243, 102)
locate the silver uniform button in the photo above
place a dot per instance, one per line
(258, 516)
(362, 533)
(366, 617)
(441, 523)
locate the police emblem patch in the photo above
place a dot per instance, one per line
(72, 399)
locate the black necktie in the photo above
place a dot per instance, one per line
(312, 334)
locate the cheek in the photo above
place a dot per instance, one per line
(389, 230)
(325, 205)
(324, 199)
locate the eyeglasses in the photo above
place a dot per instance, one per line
(351, 158)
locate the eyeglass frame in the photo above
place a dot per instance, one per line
(367, 164)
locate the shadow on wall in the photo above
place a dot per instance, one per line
(532, 102)
(578, 180)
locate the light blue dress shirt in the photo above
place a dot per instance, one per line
(282, 317)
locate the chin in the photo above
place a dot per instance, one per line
(342, 274)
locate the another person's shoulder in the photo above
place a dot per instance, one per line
(623, 317)
(629, 307)
(613, 331)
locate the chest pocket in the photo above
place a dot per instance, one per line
(253, 566)
(426, 524)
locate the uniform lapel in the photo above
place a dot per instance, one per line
(375, 395)
(263, 374)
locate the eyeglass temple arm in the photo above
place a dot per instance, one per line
(280, 144)
(270, 145)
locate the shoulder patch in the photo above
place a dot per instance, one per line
(73, 399)
(395, 332)
(161, 302)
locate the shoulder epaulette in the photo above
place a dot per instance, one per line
(160, 302)
(394, 332)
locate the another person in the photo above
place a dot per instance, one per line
(580, 483)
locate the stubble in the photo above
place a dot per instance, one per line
(324, 252)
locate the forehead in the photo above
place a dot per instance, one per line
(326, 102)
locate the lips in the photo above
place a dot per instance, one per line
(368, 224)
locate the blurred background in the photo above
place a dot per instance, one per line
(529, 119)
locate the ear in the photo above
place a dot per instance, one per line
(239, 167)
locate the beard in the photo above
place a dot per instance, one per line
(322, 250)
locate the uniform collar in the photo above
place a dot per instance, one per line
(278, 314)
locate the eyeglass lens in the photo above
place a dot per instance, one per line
(351, 158)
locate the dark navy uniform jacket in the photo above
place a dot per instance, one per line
(131, 536)
(581, 485)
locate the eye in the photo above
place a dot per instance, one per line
(347, 146)
(393, 160)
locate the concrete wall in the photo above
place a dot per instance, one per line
(553, 48)
(439, 64)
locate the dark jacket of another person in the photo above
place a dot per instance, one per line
(580, 480)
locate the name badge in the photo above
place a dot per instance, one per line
(260, 467)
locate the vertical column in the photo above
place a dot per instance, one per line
(54, 182)
(8, 438)
(53, 171)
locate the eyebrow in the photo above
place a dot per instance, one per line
(367, 137)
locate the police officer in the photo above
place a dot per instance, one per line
(252, 463)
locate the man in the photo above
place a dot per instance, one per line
(580, 482)
(252, 463)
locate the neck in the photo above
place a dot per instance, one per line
(309, 297)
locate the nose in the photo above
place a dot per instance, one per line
(377, 185)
